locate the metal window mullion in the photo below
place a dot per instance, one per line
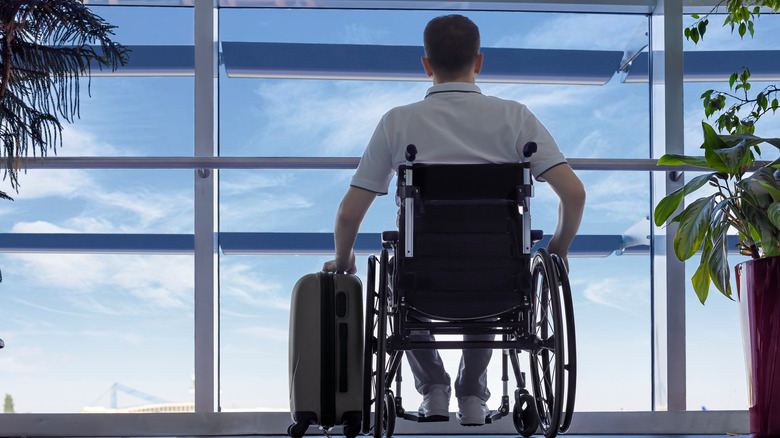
(205, 257)
(667, 134)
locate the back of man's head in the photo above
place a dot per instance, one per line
(451, 44)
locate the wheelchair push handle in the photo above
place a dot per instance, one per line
(529, 149)
(411, 153)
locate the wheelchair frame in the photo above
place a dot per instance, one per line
(541, 323)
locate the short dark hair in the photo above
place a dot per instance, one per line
(451, 44)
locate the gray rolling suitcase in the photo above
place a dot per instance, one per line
(326, 353)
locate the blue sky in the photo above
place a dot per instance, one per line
(75, 324)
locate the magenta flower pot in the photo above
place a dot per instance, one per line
(758, 289)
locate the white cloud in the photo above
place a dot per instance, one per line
(167, 211)
(49, 309)
(77, 142)
(267, 333)
(23, 360)
(100, 283)
(358, 33)
(42, 183)
(39, 227)
(270, 208)
(541, 97)
(619, 293)
(577, 31)
(340, 115)
(242, 182)
(242, 284)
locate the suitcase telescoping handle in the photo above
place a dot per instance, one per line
(411, 154)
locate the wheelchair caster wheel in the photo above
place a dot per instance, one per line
(297, 430)
(351, 430)
(524, 415)
(388, 420)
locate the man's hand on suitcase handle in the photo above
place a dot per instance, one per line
(347, 267)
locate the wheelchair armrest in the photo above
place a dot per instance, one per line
(389, 238)
(536, 235)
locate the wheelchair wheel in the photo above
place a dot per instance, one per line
(370, 343)
(570, 366)
(375, 360)
(524, 415)
(388, 419)
(547, 360)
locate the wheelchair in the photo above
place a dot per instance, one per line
(461, 265)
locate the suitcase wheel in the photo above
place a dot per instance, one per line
(297, 430)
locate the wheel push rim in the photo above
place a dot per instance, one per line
(547, 361)
(570, 344)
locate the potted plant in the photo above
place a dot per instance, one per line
(737, 194)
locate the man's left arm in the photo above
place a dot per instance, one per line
(350, 215)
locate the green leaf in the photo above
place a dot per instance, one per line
(762, 101)
(765, 178)
(677, 160)
(711, 138)
(718, 262)
(669, 204)
(742, 29)
(695, 16)
(732, 79)
(694, 224)
(702, 27)
(735, 160)
(695, 35)
(701, 281)
(774, 213)
(769, 242)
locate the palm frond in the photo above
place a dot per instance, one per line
(45, 47)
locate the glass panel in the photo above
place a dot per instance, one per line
(715, 361)
(77, 324)
(254, 321)
(142, 116)
(100, 201)
(132, 116)
(149, 25)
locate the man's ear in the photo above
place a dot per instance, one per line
(427, 66)
(478, 63)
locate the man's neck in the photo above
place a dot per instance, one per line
(470, 79)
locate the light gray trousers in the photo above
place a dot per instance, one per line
(428, 369)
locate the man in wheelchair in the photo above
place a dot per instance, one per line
(455, 124)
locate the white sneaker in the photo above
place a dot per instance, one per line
(472, 411)
(436, 403)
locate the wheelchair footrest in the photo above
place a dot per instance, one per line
(415, 416)
(493, 415)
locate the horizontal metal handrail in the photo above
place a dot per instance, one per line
(302, 163)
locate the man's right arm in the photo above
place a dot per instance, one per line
(571, 193)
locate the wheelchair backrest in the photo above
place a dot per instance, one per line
(470, 236)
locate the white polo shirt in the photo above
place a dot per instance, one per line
(455, 124)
